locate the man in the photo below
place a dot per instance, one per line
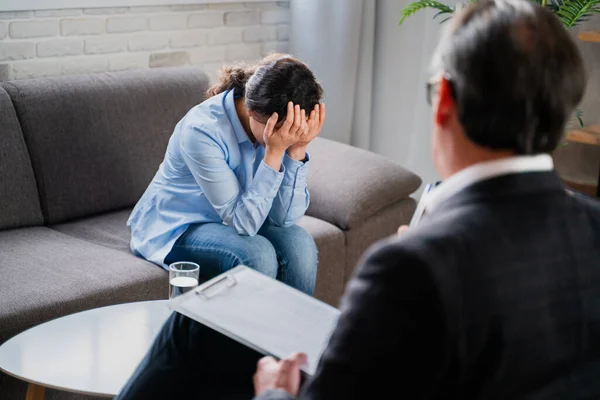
(496, 293)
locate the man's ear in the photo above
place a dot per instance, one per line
(444, 103)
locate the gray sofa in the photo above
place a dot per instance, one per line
(77, 152)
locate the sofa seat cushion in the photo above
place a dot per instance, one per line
(47, 274)
(110, 230)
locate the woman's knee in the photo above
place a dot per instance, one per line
(297, 246)
(259, 254)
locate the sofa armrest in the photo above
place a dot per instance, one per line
(347, 185)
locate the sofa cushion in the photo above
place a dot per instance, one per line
(19, 200)
(47, 274)
(109, 230)
(348, 185)
(97, 140)
(332, 258)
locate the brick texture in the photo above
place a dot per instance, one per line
(225, 36)
(188, 39)
(172, 22)
(16, 51)
(149, 10)
(16, 14)
(87, 40)
(241, 18)
(59, 48)
(82, 26)
(126, 24)
(209, 54)
(105, 45)
(72, 12)
(277, 47)
(280, 16)
(171, 59)
(243, 52)
(148, 41)
(260, 34)
(207, 19)
(83, 65)
(188, 7)
(33, 29)
(126, 62)
(35, 69)
(3, 29)
(105, 11)
(5, 72)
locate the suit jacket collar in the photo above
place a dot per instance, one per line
(486, 170)
(505, 187)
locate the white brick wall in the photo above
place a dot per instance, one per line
(206, 19)
(105, 45)
(17, 51)
(59, 48)
(32, 29)
(73, 41)
(82, 26)
(126, 24)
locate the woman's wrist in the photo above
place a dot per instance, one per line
(297, 152)
(273, 157)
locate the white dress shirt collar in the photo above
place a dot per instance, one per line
(486, 170)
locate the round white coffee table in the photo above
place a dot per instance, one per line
(93, 352)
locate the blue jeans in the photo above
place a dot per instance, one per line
(287, 254)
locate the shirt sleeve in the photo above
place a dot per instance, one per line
(244, 211)
(275, 394)
(292, 199)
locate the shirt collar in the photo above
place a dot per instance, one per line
(229, 103)
(486, 170)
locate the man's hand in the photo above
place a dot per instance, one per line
(403, 229)
(283, 375)
(311, 129)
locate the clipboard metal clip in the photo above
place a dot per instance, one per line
(218, 286)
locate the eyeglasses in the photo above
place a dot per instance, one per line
(433, 85)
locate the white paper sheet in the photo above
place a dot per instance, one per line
(262, 313)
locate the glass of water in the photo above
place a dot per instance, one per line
(183, 277)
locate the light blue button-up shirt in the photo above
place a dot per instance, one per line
(212, 172)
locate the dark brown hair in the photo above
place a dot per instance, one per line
(269, 85)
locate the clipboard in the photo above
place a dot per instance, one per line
(261, 313)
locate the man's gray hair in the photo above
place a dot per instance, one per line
(516, 74)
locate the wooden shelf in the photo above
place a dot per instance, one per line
(587, 135)
(589, 36)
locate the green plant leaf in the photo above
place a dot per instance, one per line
(570, 12)
(576, 120)
(421, 4)
(573, 12)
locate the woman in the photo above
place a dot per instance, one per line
(233, 181)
